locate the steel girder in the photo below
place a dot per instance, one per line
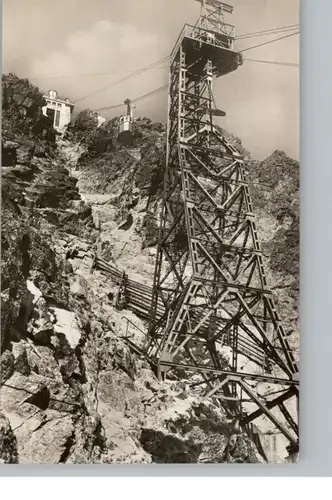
(209, 272)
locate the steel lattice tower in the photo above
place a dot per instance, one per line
(209, 275)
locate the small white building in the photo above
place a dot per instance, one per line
(60, 110)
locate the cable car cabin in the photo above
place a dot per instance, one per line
(125, 129)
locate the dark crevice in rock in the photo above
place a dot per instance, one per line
(128, 223)
(25, 313)
(168, 449)
(42, 424)
(41, 398)
(8, 156)
(99, 437)
(24, 248)
(57, 303)
(68, 447)
(81, 376)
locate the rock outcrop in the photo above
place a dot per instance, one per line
(8, 442)
(71, 389)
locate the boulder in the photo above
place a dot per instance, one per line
(40, 327)
(21, 363)
(79, 287)
(6, 365)
(8, 442)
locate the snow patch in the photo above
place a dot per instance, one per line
(66, 323)
(34, 291)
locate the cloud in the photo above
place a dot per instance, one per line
(105, 47)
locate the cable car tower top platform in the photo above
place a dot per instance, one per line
(213, 37)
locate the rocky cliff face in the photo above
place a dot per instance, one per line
(129, 179)
(71, 390)
(275, 191)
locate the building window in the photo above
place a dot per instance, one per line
(57, 119)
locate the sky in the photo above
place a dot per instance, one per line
(66, 44)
